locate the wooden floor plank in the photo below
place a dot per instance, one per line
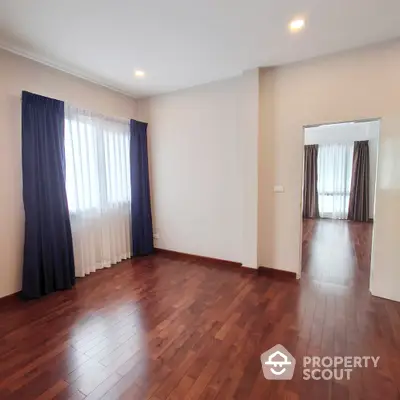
(175, 327)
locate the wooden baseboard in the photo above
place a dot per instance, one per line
(197, 257)
(277, 273)
(10, 299)
(273, 273)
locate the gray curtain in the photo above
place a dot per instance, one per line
(359, 193)
(310, 192)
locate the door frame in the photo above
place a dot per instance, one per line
(300, 249)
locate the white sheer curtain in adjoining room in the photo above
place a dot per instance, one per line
(335, 163)
(98, 188)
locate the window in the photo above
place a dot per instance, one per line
(97, 161)
(334, 179)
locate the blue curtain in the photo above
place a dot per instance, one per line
(142, 227)
(48, 253)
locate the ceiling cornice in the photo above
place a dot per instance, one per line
(44, 61)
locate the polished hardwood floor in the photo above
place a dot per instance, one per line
(337, 252)
(173, 327)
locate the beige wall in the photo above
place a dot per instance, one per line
(248, 133)
(17, 74)
(350, 86)
(207, 157)
(203, 168)
(195, 170)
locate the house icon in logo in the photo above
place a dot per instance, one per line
(277, 363)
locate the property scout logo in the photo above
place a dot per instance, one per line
(278, 364)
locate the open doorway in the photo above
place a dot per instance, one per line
(340, 169)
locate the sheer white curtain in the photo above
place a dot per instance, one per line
(334, 179)
(98, 188)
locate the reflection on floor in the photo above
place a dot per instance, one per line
(337, 252)
(173, 327)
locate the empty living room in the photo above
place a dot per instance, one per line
(200, 200)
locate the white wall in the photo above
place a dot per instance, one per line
(351, 86)
(203, 152)
(17, 74)
(349, 133)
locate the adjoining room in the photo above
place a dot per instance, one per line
(340, 168)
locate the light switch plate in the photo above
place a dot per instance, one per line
(279, 189)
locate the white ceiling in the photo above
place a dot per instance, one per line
(182, 43)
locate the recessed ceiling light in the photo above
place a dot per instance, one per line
(139, 73)
(296, 24)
